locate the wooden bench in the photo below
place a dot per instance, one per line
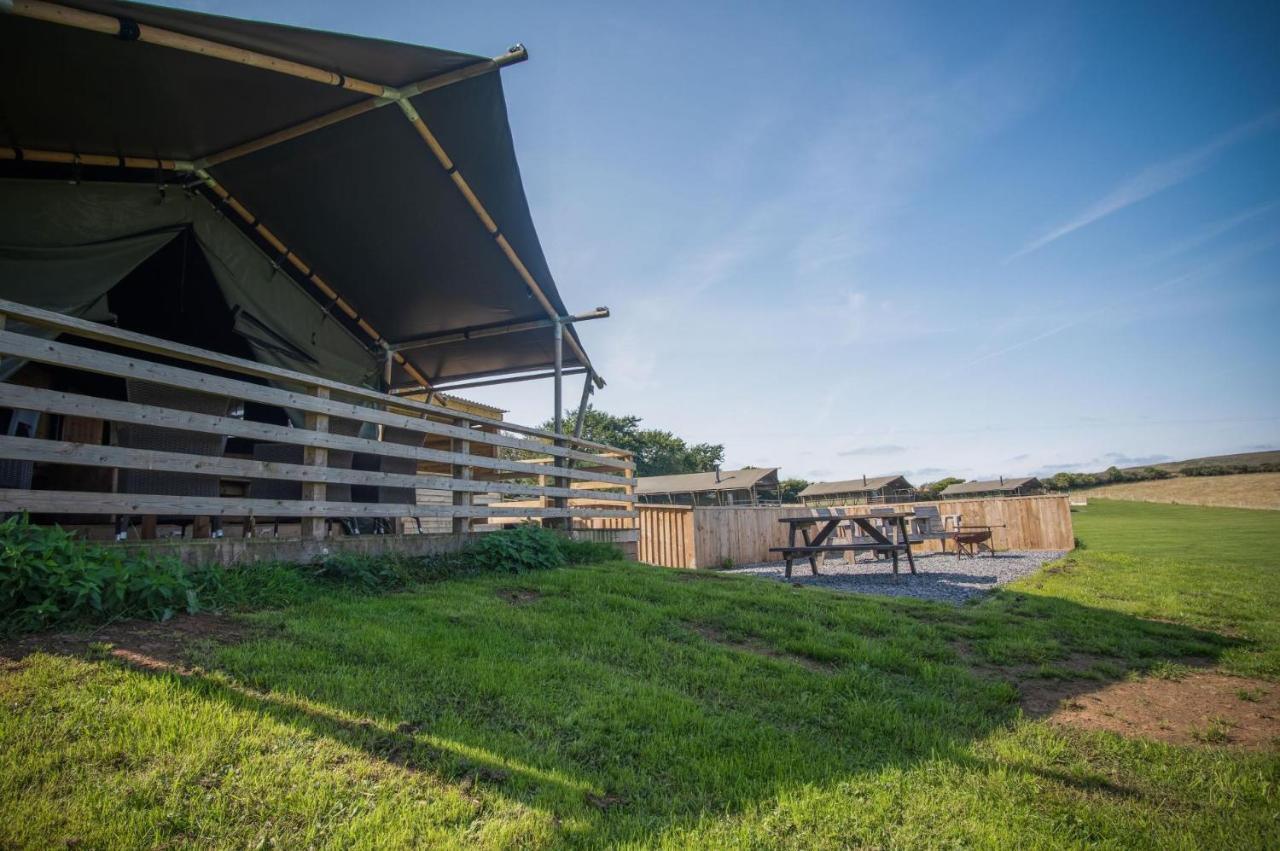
(880, 543)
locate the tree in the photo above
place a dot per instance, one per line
(933, 490)
(789, 489)
(657, 452)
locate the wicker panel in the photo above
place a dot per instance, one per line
(288, 453)
(381, 464)
(171, 440)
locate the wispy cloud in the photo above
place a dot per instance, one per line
(924, 472)
(1150, 181)
(1120, 459)
(1211, 231)
(1201, 272)
(882, 449)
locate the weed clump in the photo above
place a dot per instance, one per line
(48, 577)
(529, 547)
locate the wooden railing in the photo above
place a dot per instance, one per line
(440, 448)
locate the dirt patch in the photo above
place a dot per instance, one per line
(757, 648)
(519, 596)
(152, 645)
(1202, 708)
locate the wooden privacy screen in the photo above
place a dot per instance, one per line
(673, 536)
(445, 449)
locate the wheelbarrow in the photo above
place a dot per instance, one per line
(971, 539)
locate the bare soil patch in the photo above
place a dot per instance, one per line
(757, 648)
(1202, 708)
(146, 644)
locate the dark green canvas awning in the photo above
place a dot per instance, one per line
(363, 201)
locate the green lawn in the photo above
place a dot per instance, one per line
(622, 705)
(1213, 568)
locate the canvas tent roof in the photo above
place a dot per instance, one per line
(363, 201)
(851, 486)
(701, 482)
(988, 486)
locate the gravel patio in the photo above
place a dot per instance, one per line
(942, 577)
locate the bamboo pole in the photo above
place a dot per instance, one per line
(512, 56)
(37, 155)
(491, 226)
(132, 31)
(339, 302)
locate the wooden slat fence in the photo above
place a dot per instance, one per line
(447, 450)
(666, 536)
(712, 536)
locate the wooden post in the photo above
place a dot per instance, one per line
(315, 456)
(461, 525)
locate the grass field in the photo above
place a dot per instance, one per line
(1247, 490)
(619, 705)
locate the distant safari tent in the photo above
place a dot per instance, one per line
(1026, 486)
(748, 486)
(876, 489)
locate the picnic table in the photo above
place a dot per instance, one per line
(880, 543)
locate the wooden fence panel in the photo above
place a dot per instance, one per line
(667, 536)
(744, 535)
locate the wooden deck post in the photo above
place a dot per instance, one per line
(461, 525)
(315, 456)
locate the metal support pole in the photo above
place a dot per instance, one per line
(559, 502)
(559, 376)
(582, 406)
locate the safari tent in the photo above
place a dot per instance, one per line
(311, 236)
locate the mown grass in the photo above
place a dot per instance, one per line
(619, 705)
(1213, 568)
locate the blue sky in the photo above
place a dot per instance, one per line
(849, 238)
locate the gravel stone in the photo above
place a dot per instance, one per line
(942, 577)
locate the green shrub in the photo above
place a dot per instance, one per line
(517, 549)
(48, 576)
(265, 585)
(370, 573)
(589, 552)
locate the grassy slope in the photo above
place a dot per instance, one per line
(632, 705)
(1247, 490)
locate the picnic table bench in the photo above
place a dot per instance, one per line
(880, 543)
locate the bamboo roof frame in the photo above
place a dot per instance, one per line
(381, 96)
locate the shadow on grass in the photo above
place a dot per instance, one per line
(634, 702)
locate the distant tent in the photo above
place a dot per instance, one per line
(1026, 486)
(748, 486)
(858, 491)
(325, 246)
